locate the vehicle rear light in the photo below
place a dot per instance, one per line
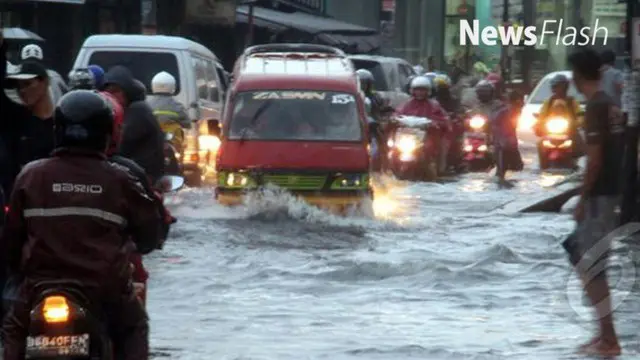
(6, 209)
(55, 309)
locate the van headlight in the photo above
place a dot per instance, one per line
(239, 180)
(351, 182)
(208, 142)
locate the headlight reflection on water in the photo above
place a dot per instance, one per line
(385, 204)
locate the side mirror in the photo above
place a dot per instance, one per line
(170, 183)
(214, 128)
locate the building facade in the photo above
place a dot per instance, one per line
(65, 24)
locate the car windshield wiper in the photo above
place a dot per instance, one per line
(253, 120)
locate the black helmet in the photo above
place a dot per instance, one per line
(83, 119)
(81, 79)
(138, 91)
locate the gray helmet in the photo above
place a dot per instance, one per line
(364, 75)
(559, 79)
(81, 79)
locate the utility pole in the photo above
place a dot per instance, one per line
(506, 63)
(631, 109)
(528, 52)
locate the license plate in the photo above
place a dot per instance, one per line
(407, 157)
(52, 346)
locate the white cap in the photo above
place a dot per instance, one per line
(31, 51)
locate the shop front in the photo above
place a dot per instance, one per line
(454, 53)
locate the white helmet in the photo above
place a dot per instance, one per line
(163, 83)
(31, 51)
(421, 82)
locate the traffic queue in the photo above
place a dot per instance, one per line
(305, 118)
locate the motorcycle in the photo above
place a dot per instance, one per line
(65, 324)
(555, 148)
(412, 154)
(171, 156)
(476, 150)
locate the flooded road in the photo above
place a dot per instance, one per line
(439, 274)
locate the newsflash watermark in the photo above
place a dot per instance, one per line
(529, 35)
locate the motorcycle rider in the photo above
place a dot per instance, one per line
(421, 105)
(170, 114)
(142, 137)
(452, 106)
(62, 235)
(377, 110)
(502, 131)
(560, 103)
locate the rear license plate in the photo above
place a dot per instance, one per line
(52, 346)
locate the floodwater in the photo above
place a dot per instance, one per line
(438, 274)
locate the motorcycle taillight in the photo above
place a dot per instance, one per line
(6, 209)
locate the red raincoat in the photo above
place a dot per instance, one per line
(430, 109)
(118, 116)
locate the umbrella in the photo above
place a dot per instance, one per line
(20, 34)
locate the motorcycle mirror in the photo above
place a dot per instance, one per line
(168, 136)
(170, 183)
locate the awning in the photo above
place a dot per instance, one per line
(74, 2)
(349, 37)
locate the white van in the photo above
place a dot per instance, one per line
(201, 84)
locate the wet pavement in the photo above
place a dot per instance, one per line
(438, 274)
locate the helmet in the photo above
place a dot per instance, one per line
(480, 67)
(31, 51)
(421, 82)
(366, 78)
(494, 79)
(138, 92)
(163, 83)
(431, 76)
(484, 90)
(559, 80)
(83, 119)
(442, 80)
(98, 75)
(81, 79)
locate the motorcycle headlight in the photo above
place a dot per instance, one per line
(208, 142)
(351, 182)
(55, 309)
(557, 125)
(237, 180)
(407, 144)
(477, 122)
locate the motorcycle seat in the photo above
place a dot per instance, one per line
(67, 287)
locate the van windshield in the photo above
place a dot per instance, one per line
(295, 115)
(144, 65)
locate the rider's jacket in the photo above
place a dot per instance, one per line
(168, 110)
(428, 108)
(71, 216)
(572, 109)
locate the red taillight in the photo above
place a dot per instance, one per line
(6, 209)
